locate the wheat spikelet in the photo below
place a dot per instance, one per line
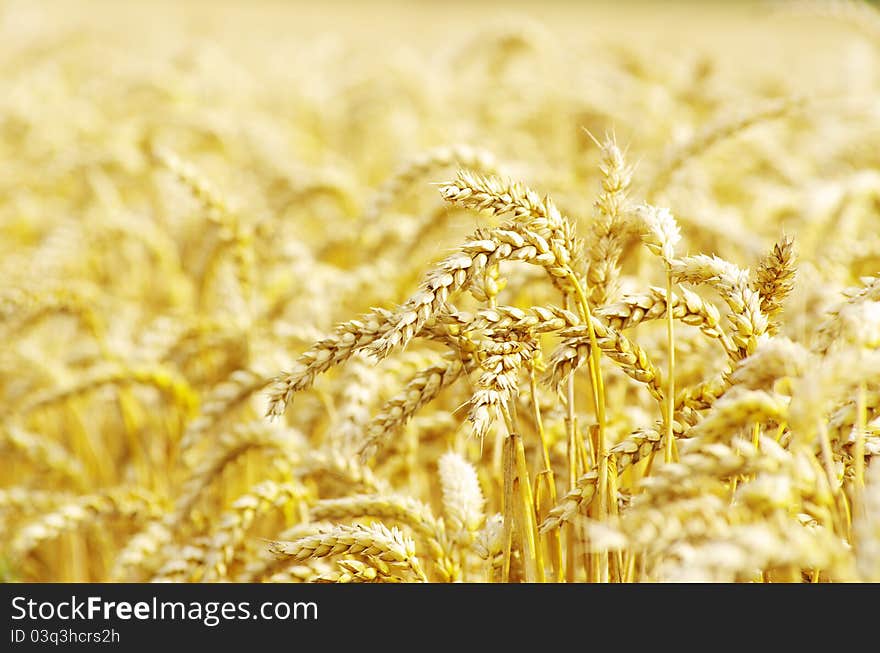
(842, 421)
(628, 451)
(745, 550)
(374, 541)
(123, 503)
(238, 239)
(569, 505)
(355, 397)
(420, 390)
(735, 411)
(500, 197)
(356, 571)
(230, 446)
(688, 308)
(164, 380)
(465, 156)
(264, 565)
(190, 177)
(489, 543)
(506, 319)
(830, 328)
(387, 506)
(574, 351)
(724, 128)
(748, 323)
(653, 532)
(17, 502)
(826, 384)
(801, 494)
(182, 345)
(703, 462)
(853, 324)
(463, 500)
(43, 453)
(24, 308)
(659, 230)
(345, 470)
(609, 226)
(511, 242)
(686, 501)
(773, 360)
(498, 382)
(634, 447)
(313, 572)
(221, 401)
(701, 269)
(235, 523)
(140, 555)
(404, 510)
(683, 505)
(347, 339)
(231, 233)
(183, 563)
(774, 278)
(701, 396)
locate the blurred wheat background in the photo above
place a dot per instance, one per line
(378, 292)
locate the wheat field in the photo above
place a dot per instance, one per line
(439, 293)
